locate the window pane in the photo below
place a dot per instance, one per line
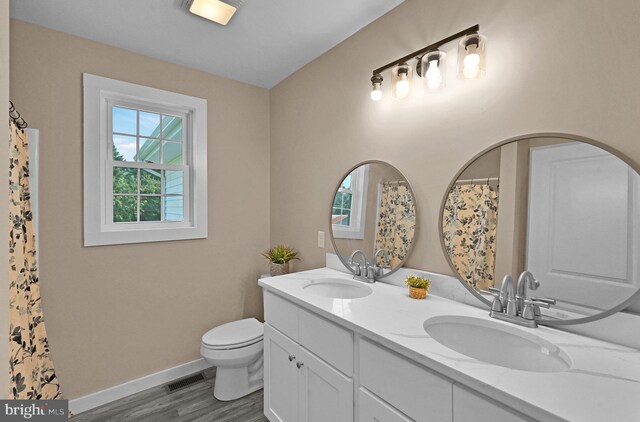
(125, 180)
(337, 201)
(124, 209)
(150, 181)
(123, 120)
(173, 208)
(346, 200)
(347, 220)
(149, 151)
(346, 183)
(172, 128)
(173, 182)
(150, 208)
(149, 124)
(124, 148)
(172, 152)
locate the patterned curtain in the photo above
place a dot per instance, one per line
(469, 229)
(396, 222)
(31, 372)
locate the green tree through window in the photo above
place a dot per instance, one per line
(125, 181)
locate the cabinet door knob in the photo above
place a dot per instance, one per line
(299, 365)
(291, 358)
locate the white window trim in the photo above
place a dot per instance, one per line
(359, 184)
(97, 229)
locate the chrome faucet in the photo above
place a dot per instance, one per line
(508, 296)
(378, 269)
(357, 271)
(365, 272)
(526, 282)
(511, 304)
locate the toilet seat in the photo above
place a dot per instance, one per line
(234, 335)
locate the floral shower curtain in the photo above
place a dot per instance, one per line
(396, 222)
(31, 372)
(469, 228)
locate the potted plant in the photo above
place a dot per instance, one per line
(278, 258)
(418, 286)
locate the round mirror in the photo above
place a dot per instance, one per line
(373, 211)
(565, 208)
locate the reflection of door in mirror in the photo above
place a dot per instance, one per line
(395, 223)
(583, 232)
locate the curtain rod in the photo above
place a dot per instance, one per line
(15, 117)
(481, 181)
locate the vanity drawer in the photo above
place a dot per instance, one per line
(467, 406)
(281, 314)
(421, 394)
(372, 409)
(327, 340)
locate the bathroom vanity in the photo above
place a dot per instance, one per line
(340, 350)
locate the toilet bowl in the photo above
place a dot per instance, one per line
(235, 349)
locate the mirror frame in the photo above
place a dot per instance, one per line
(633, 298)
(415, 207)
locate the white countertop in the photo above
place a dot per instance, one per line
(602, 384)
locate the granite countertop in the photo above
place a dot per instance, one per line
(602, 383)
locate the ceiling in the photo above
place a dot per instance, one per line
(266, 40)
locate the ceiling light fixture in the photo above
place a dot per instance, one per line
(214, 10)
(431, 64)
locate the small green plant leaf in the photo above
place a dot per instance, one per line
(417, 282)
(280, 254)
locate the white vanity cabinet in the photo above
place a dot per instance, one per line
(303, 378)
(318, 371)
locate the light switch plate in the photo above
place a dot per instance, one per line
(320, 239)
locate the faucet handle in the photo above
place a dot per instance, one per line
(496, 305)
(544, 300)
(357, 270)
(535, 302)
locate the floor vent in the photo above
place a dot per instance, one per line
(184, 382)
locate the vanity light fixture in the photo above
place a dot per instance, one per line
(431, 65)
(376, 92)
(433, 68)
(472, 50)
(214, 10)
(402, 76)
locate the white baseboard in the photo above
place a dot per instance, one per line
(93, 400)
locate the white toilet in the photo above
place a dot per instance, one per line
(235, 349)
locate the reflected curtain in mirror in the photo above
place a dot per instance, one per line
(396, 222)
(469, 228)
(32, 376)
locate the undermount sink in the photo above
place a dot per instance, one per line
(337, 288)
(497, 343)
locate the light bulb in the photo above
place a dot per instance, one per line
(434, 76)
(402, 86)
(471, 63)
(376, 93)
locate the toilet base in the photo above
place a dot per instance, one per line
(233, 383)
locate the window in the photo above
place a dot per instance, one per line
(347, 214)
(145, 164)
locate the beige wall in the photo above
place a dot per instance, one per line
(552, 67)
(115, 313)
(4, 193)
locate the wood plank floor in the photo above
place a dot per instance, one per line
(191, 404)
